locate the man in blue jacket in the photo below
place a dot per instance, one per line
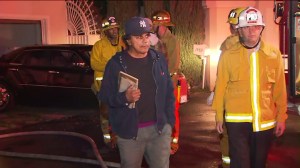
(144, 130)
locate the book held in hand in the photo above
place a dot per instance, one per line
(125, 81)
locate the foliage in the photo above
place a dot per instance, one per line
(122, 10)
(188, 17)
(189, 20)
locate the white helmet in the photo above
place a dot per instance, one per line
(250, 17)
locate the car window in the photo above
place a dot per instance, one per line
(11, 55)
(33, 58)
(86, 52)
(65, 58)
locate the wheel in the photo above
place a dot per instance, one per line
(6, 97)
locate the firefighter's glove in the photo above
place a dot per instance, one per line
(210, 98)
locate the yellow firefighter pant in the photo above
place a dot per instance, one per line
(224, 148)
(104, 121)
(103, 109)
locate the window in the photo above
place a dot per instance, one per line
(33, 58)
(65, 58)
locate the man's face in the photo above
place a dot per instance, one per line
(233, 29)
(112, 33)
(159, 30)
(139, 44)
(250, 34)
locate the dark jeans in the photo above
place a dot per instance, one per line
(248, 149)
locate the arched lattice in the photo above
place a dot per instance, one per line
(81, 17)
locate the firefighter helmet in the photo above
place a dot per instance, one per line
(250, 17)
(109, 23)
(162, 17)
(233, 17)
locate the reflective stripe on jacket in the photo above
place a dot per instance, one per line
(251, 88)
(101, 53)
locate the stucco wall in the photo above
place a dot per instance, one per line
(54, 25)
(51, 13)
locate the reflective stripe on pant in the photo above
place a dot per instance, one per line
(225, 161)
(155, 147)
(103, 110)
(248, 149)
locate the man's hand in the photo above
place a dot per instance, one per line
(219, 127)
(210, 98)
(280, 127)
(133, 94)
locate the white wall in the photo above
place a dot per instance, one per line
(51, 13)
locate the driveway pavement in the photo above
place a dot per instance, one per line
(199, 142)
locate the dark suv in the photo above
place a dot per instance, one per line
(36, 69)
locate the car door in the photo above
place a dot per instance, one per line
(29, 69)
(70, 70)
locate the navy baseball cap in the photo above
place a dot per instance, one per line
(137, 26)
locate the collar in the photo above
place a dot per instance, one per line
(120, 56)
(262, 46)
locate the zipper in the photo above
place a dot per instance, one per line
(155, 61)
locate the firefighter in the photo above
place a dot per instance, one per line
(169, 46)
(228, 43)
(109, 44)
(153, 36)
(250, 88)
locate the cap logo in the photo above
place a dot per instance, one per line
(142, 23)
(251, 16)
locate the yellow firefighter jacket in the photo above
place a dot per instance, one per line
(170, 47)
(102, 51)
(251, 87)
(229, 42)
